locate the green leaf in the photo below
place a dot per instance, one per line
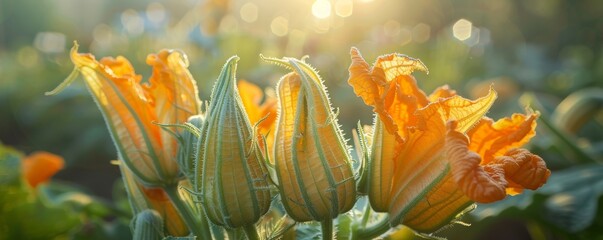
(309, 230)
(343, 226)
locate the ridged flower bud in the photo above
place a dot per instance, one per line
(230, 172)
(313, 168)
(148, 225)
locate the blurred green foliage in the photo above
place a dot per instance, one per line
(551, 48)
(54, 211)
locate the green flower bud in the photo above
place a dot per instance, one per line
(230, 172)
(148, 226)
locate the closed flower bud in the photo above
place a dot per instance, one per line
(381, 167)
(230, 172)
(313, 168)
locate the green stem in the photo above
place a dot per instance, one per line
(196, 224)
(367, 214)
(374, 230)
(583, 157)
(327, 229)
(251, 232)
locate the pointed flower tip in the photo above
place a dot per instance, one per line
(230, 65)
(75, 47)
(415, 63)
(233, 60)
(229, 69)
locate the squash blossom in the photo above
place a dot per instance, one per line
(131, 109)
(230, 172)
(313, 165)
(434, 155)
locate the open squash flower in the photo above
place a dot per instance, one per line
(433, 156)
(131, 109)
(313, 169)
(39, 167)
(230, 173)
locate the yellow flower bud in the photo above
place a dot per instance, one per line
(313, 168)
(230, 172)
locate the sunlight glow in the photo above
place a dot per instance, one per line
(391, 27)
(321, 9)
(344, 8)
(462, 29)
(280, 26)
(322, 25)
(249, 12)
(421, 33)
(405, 36)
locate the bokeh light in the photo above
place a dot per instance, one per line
(249, 12)
(421, 33)
(132, 22)
(462, 29)
(344, 8)
(155, 12)
(321, 9)
(280, 26)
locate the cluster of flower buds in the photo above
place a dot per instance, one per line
(428, 159)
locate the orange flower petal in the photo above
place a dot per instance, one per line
(39, 167)
(389, 88)
(441, 92)
(466, 112)
(491, 181)
(523, 169)
(440, 206)
(251, 96)
(482, 184)
(420, 164)
(490, 139)
(362, 82)
(172, 96)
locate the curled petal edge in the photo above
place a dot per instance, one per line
(516, 170)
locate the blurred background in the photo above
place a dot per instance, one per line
(545, 53)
